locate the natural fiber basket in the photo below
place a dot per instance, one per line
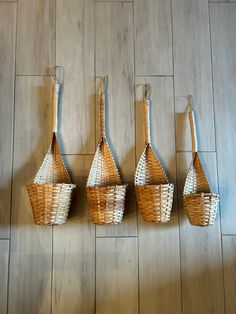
(105, 192)
(199, 202)
(51, 191)
(153, 191)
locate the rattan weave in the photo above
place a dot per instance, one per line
(51, 191)
(199, 202)
(153, 191)
(105, 192)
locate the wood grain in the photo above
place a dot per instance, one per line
(114, 57)
(201, 258)
(229, 259)
(159, 254)
(192, 72)
(74, 250)
(35, 37)
(7, 76)
(4, 257)
(223, 25)
(75, 51)
(116, 276)
(153, 37)
(31, 245)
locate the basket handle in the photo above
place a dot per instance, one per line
(192, 125)
(102, 106)
(147, 104)
(58, 81)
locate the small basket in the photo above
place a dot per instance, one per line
(153, 191)
(51, 191)
(105, 192)
(199, 202)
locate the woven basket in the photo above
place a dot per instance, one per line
(199, 202)
(105, 192)
(153, 191)
(51, 191)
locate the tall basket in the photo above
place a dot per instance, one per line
(153, 191)
(105, 192)
(199, 202)
(51, 191)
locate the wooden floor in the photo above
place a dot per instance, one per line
(180, 47)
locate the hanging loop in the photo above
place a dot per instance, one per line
(147, 104)
(102, 106)
(59, 74)
(192, 125)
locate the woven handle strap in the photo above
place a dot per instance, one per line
(192, 126)
(102, 107)
(147, 104)
(55, 99)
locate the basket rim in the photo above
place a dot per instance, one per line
(151, 185)
(51, 184)
(105, 186)
(202, 194)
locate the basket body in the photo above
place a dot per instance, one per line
(50, 202)
(201, 208)
(155, 201)
(154, 193)
(106, 204)
(200, 203)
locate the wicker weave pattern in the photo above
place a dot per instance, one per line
(199, 202)
(153, 191)
(105, 192)
(51, 192)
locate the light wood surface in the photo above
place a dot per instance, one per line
(224, 61)
(31, 245)
(229, 259)
(159, 244)
(75, 51)
(116, 276)
(201, 255)
(4, 257)
(153, 37)
(74, 250)
(115, 57)
(35, 37)
(7, 77)
(192, 72)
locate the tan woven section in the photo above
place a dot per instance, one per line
(199, 202)
(105, 192)
(153, 191)
(51, 192)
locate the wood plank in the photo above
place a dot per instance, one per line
(74, 250)
(223, 26)
(201, 256)
(7, 66)
(35, 37)
(229, 259)
(31, 245)
(4, 257)
(75, 51)
(192, 70)
(115, 57)
(159, 277)
(153, 37)
(221, 1)
(116, 276)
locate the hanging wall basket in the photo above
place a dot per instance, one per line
(153, 191)
(51, 191)
(106, 193)
(199, 202)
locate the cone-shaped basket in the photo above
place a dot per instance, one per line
(199, 202)
(105, 192)
(51, 192)
(153, 191)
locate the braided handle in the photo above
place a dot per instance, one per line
(55, 99)
(147, 104)
(102, 107)
(192, 126)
